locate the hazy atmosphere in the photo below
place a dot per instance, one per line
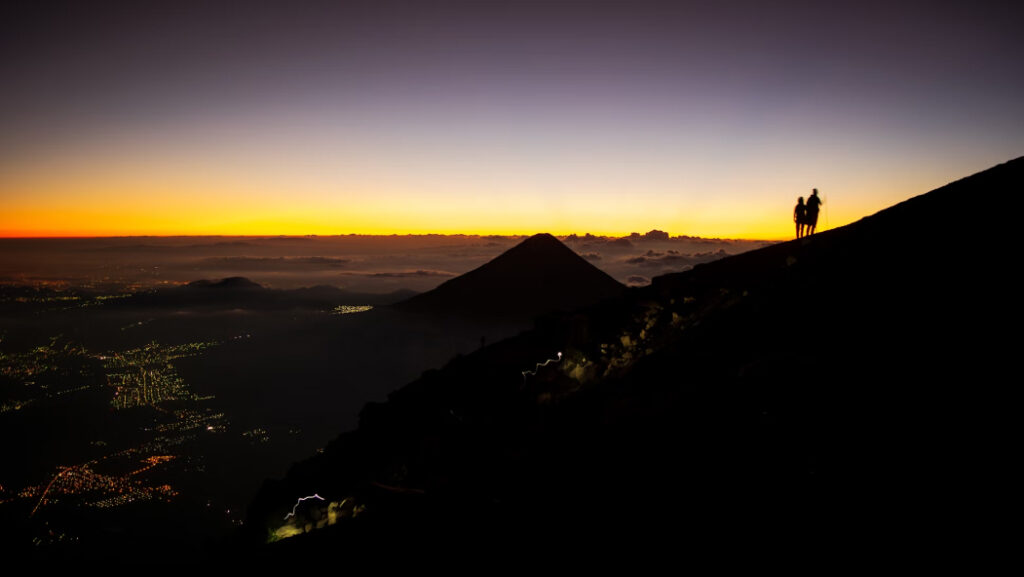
(356, 263)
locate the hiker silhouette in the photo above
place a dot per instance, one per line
(813, 206)
(800, 216)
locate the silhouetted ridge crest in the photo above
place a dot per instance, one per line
(838, 385)
(536, 276)
(235, 282)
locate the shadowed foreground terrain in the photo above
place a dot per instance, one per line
(151, 418)
(836, 390)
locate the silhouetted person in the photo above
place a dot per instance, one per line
(800, 216)
(813, 205)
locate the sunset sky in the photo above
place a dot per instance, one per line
(698, 118)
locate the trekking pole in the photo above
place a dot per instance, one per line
(826, 211)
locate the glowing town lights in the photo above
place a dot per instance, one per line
(297, 503)
(140, 376)
(350, 309)
(539, 365)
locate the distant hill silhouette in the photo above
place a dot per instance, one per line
(240, 292)
(231, 283)
(823, 393)
(536, 276)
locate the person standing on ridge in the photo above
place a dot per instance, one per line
(800, 216)
(813, 205)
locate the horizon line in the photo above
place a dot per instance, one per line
(395, 234)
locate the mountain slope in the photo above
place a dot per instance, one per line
(814, 392)
(536, 276)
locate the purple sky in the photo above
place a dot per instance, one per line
(692, 117)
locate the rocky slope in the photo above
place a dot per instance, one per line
(820, 390)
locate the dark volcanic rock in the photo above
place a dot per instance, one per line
(536, 276)
(815, 393)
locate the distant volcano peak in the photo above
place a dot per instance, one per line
(541, 237)
(542, 249)
(538, 275)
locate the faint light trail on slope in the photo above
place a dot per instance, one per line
(539, 365)
(297, 503)
(42, 498)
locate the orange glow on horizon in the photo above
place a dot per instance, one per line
(270, 228)
(91, 202)
(217, 217)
